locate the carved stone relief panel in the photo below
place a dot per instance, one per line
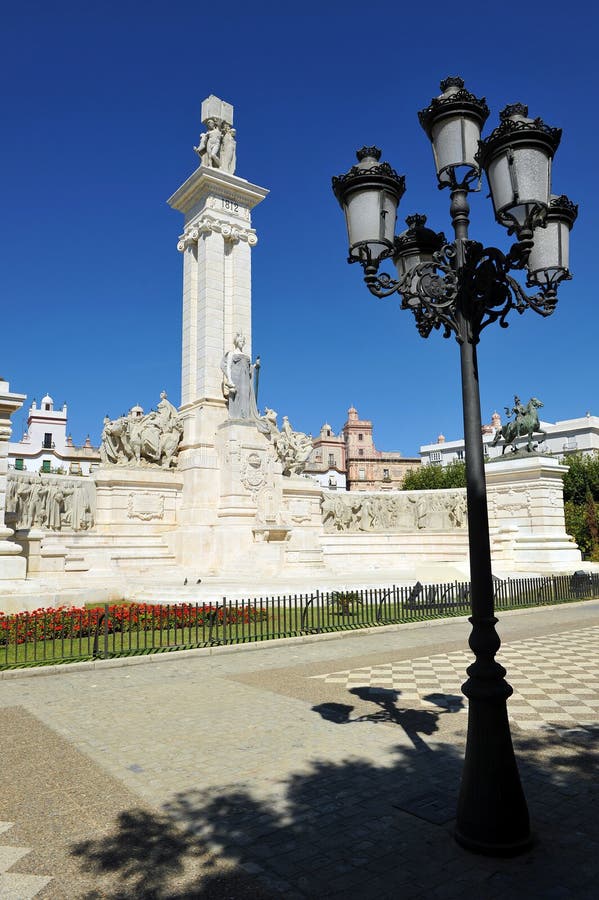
(508, 501)
(145, 506)
(353, 512)
(50, 502)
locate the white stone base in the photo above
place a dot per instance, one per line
(13, 568)
(526, 516)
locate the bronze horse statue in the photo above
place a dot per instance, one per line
(525, 425)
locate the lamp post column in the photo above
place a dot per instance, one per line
(492, 814)
(460, 287)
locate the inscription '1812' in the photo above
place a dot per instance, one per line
(230, 205)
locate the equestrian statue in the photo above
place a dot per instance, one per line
(525, 424)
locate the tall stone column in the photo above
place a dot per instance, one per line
(217, 303)
(12, 565)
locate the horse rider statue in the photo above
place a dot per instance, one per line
(525, 424)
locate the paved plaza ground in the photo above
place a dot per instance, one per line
(301, 770)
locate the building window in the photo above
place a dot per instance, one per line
(360, 452)
(436, 456)
(47, 445)
(19, 464)
(360, 437)
(386, 476)
(331, 459)
(362, 474)
(328, 432)
(45, 465)
(459, 454)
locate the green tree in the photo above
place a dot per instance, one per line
(582, 476)
(581, 495)
(434, 477)
(576, 525)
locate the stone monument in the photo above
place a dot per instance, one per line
(216, 245)
(217, 488)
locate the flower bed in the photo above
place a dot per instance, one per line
(77, 622)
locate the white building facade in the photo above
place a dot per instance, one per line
(561, 438)
(46, 447)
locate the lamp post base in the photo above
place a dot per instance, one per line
(511, 849)
(492, 816)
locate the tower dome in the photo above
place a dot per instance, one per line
(47, 402)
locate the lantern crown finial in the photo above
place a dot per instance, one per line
(512, 110)
(368, 153)
(452, 81)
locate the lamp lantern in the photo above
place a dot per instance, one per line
(548, 262)
(517, 158)
(416, 245)
(369, 195)
(453, 123)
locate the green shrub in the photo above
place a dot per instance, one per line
(345, 601)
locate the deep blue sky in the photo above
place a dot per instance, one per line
(100, 112)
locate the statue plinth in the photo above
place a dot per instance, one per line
(518, 454)
(526, 514)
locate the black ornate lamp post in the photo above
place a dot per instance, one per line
(461, 287)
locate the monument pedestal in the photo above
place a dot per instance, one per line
(526, 515)
(301, 502)
(136, 498)
(250, 527)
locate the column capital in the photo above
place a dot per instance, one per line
(211, 224)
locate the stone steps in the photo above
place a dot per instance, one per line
(355, 551)
(87, 552)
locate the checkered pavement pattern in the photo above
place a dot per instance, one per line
(555, 680)
(14, 886)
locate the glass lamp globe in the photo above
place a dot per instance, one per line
(548, 262)
(369, 195)
(453, 123)
(517, 158)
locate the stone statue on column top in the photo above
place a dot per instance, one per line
(208, 148)
(217, 145)
(228, 149)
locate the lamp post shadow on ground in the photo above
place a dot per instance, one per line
(459, 286)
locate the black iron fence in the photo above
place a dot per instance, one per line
(48, 636)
